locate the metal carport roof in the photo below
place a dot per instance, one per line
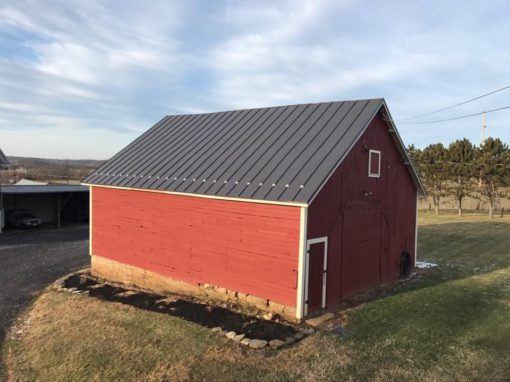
(42, 189)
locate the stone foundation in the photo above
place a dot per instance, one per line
(127, 274)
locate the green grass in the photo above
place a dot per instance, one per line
(451, 324)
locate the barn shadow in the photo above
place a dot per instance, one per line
(459, 250)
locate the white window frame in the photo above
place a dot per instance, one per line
(370, 173)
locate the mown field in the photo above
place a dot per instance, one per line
(452, 324)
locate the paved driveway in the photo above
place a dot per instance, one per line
(32, 259)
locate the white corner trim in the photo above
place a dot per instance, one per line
(370, 173)
(416, 230)
(300, 302)
(90, 221)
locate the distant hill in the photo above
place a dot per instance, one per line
(29, 162)
(52, 170)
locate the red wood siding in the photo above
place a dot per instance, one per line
(368, 221)
(247, 247)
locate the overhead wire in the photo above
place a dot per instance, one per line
(455, 105)
(459, 117)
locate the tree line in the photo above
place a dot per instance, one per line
(464, 170)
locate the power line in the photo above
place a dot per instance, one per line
(457, 104)
(460, 117)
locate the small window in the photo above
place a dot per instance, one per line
(374, 163)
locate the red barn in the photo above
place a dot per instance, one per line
(291, 208)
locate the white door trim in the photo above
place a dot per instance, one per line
(323, 239)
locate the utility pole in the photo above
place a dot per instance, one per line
(484, 126)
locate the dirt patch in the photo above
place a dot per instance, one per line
(207, 315)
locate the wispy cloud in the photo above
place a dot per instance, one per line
(71, 71)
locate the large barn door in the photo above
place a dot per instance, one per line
(385, 249)
(361, 249)
(316, 266)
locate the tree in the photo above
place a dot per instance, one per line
(414, 154)
(493, 162)
(432, 168)
(460, 161)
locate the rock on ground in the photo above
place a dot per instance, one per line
(238, 338)
(319, 320)
(275, 344)
(257, 344)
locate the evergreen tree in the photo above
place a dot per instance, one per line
(433, 171)
(493, 162)
(460, 168)
(414, 154)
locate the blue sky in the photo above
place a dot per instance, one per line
(81, 79)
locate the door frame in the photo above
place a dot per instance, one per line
(309, 242)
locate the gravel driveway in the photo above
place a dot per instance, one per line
(32, 259)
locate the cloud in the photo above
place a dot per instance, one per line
(92, 61)
(276, 60)
(110, 69)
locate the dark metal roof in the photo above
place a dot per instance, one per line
(3, 158)
(281, 154)
(42, 189)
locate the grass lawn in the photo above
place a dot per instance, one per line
(451, 325)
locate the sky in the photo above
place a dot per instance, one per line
(82, 79)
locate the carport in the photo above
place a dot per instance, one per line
(52, 203)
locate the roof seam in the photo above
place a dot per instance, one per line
(186, 129)
(342, 136)
(158, 168)
(251, 121)
(286, 129)
(222, 174)
(330, 104)
(311, 140)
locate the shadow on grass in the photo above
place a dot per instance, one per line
(465, 248)
(442, 324)
(460, 250)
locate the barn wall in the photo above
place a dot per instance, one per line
(247, 247)
(393, 194)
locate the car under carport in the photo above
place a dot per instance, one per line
(56, 204)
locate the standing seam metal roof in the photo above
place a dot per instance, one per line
(282, 154)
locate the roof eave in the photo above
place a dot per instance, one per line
(289, 203)
(403, 150)
(400, 145)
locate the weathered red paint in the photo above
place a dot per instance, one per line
(368, 221)
(247, 247)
